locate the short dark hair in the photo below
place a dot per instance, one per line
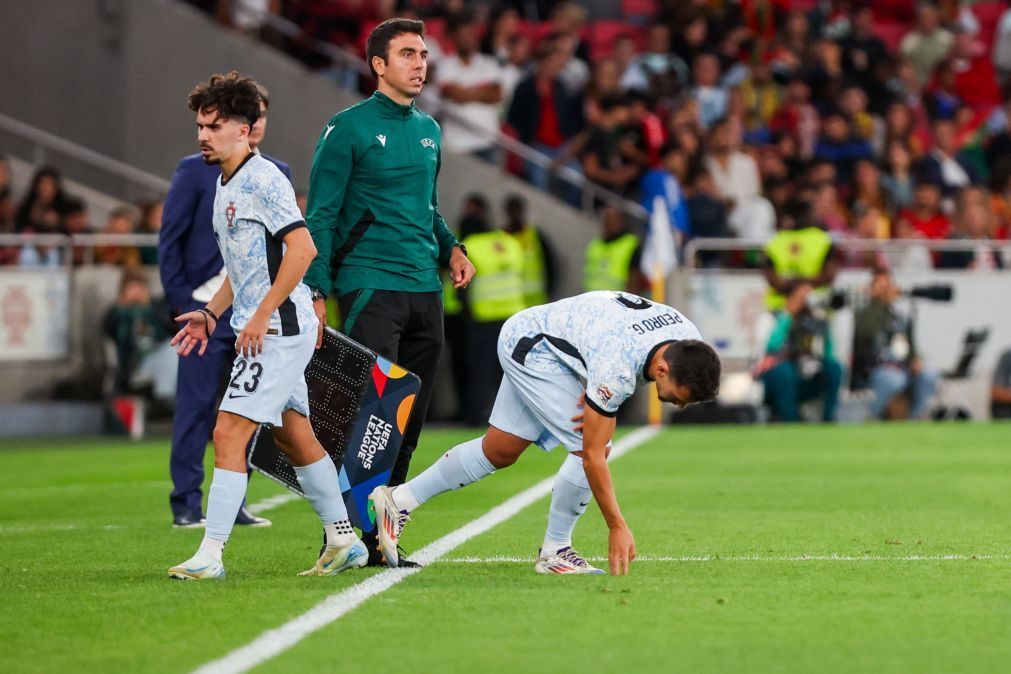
(378, 43)
(694, 364)
(232, 96)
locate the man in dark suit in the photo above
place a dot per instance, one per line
(942, 165)
(191, 272)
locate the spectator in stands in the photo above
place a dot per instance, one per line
(40, 209)
(503, 28)
(799, 362)
(612, 259)
(897, 126)
(657, 71)
(761, 97)
(973, 223)
(544, 113)
(797, 118)
(471, 86)
(139, 328)
(941, 100)
(826, 76)
(495, 294)
(942, 165)
(690, 41)
(829, 209)
(735, 172)
(885, 357)
(568, 19)
(928, 43)
(1000, 392)
(516, 67)
(925, 214)
(862, 49)
(603, 83)
(975, 79)
(853, 104)
(539, 259)
(839, 145)
(711, 95)
(869, 190)
(74, 220)
(8, 254)
(575, 74)
(644, 134)
(150, 223)
(707, 215)
(898, 183)
(869, 224)
(801, 253)
(602, 159)
(122, 220)
(665, 183)
(5, 174)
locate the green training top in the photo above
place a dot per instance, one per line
(372, 206)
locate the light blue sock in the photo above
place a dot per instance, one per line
(570, 496)
(460, 466)
(320, 485)
(228, 489)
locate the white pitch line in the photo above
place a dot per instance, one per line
(280, 639)
(742, 558)
(272, 502)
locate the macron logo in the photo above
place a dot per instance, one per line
(382, 139)
(329, 128)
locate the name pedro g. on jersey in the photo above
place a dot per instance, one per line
(253, 211)
(578, 334)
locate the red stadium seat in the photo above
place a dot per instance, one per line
(988, 14)
(602, 34)
(891, 33)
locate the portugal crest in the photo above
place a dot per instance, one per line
(230, 213)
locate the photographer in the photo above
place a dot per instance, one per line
(884, 353)
(799, 364)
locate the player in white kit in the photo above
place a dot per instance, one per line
(575, 360)
(266, 248)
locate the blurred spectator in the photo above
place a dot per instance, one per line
(123, 220)
(829, 209)
(656, 71)
(495, 294)
(973, 223)
(544, 113)
(1002, 47)
(690, 40)
(975, 79)
(74, 220)
(928, 43)
(665, 183)
(471, 86)
(516, 67)
(139, 328)
(644, 134)
(898, 183)
(603, 83)
(568, 19)
(941, 98)
(925, 214)
(797, 118)
(247, 16)
(735, 173)
(8, 254)
(539, 260)
(869, 224)
(624, 52)
(840, 145)
(707, 215)
(602, 160)
(761, 97)
(150, 223)
(862, 49)
(40, 209)
(799, 362)
(826, 76)
(711, 96)
(612, 259)
(503, 28)
(853, 104)
(885, 358)
(898, 128)
(941, 166)
(1000, 392)
(801, 253)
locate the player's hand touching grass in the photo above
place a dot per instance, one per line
(461, 271)
(250, 341)
(620, 549)
(197, 330)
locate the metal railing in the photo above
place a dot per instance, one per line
(590, 192)
(85, 242)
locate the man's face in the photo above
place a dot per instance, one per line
(669, 391)
(944, 134)
(258, 130)
(219, 138)
(927, 196)
(883, 289)
(465, 39)
(406, 64)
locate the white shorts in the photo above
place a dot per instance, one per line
(263, 387)
(538, 405)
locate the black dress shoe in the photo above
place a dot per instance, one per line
(188, 520)
(248, 519)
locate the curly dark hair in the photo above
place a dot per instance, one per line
(232, 96)
(378, 43)
(694, 364)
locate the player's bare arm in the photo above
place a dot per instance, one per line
(200, 324)
(297, 257)
(597, 432)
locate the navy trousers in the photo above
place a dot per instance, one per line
(199, 382)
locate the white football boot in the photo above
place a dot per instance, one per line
(565, 561)
(335, 560)
(198, 567)
(389, 522)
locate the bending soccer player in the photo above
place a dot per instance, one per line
(577, 359)
(266, 248)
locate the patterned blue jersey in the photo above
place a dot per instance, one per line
(253, 212)
(605, 337)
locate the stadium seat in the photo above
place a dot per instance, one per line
(602, 34)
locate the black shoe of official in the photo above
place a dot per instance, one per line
(404, 562)
(248, 519)
(188, 520)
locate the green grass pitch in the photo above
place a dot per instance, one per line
(805, 549)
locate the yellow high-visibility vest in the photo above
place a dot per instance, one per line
(607, 263)
(496, 293)
(535, 282)
(796, 253)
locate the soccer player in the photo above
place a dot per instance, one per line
(266, 248)
(591, 352)
(374, 216)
